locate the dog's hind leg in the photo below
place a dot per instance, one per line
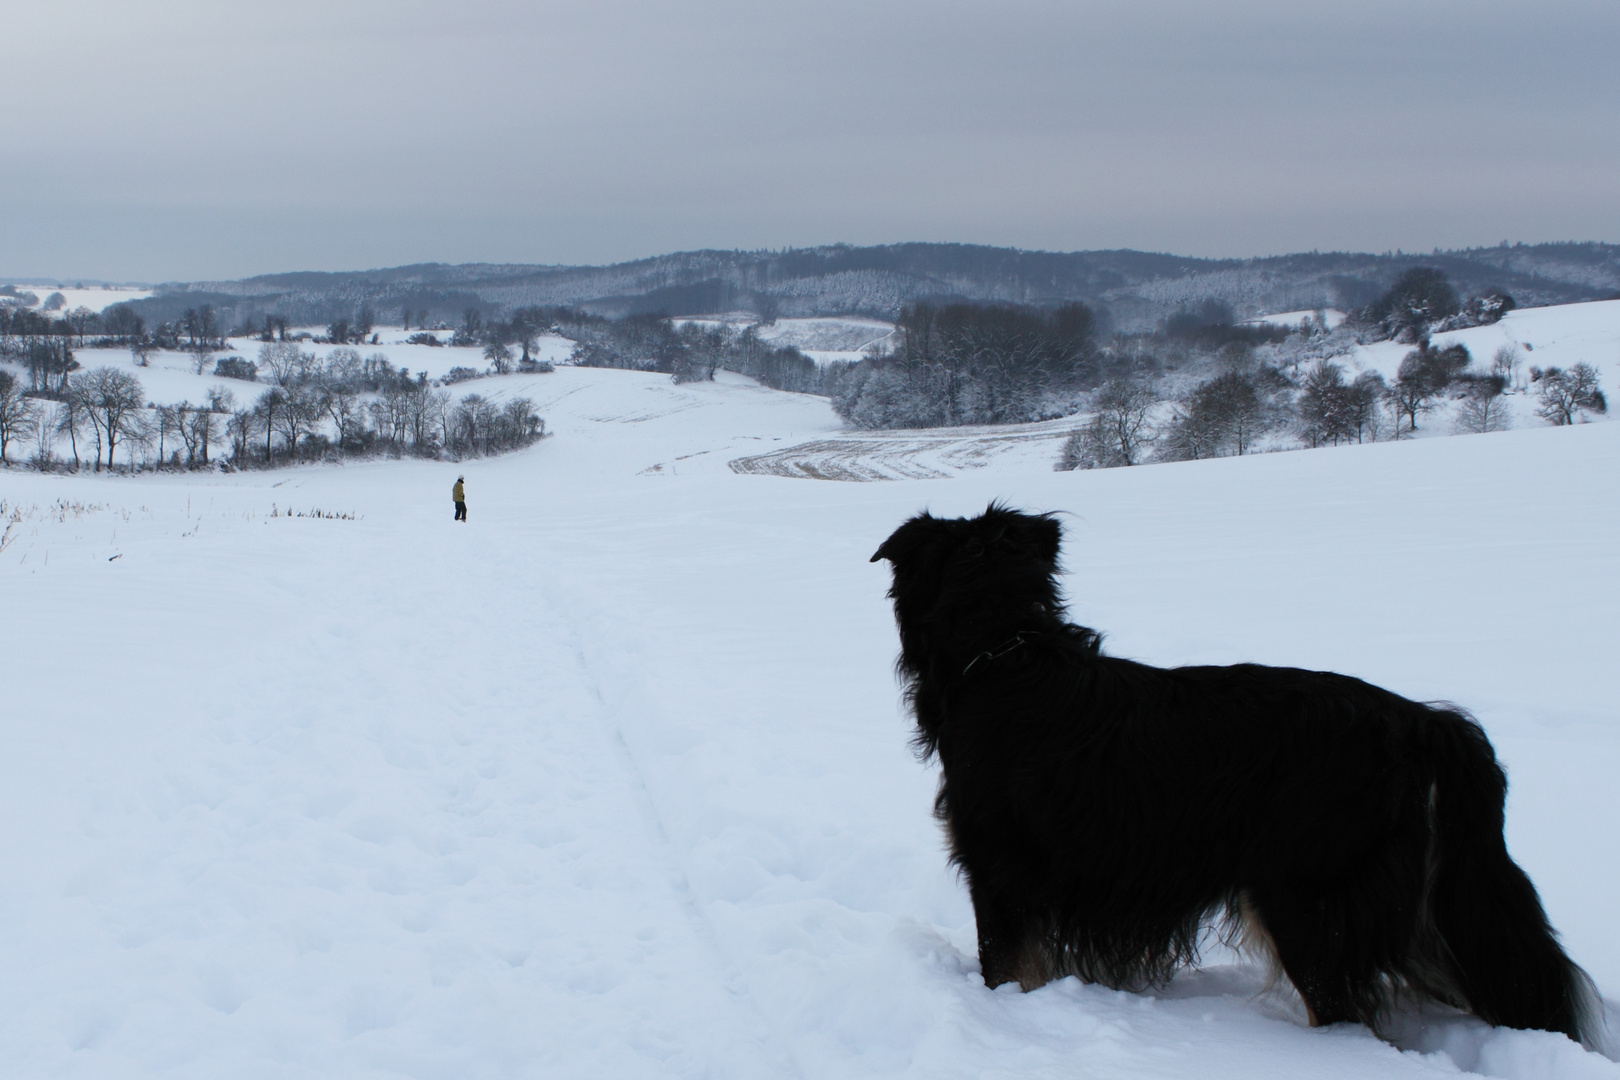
(1343, 943)
(1010, 944)
(1321, 952)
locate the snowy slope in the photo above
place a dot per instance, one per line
(95, 299)
(613, 779)
(1559, 336)
(1330, 317)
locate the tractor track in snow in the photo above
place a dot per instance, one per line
(908, 454)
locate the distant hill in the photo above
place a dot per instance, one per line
(1130, 289)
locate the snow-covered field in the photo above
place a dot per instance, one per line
(830, 340)
(827, 339)
(96, 298)
(1559, 336)
(1329, 317)
(613, 780)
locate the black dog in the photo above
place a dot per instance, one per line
(1104, 812)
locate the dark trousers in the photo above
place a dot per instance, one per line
(461, 511)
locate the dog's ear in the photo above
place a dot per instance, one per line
(906, 539)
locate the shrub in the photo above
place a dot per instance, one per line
(234, 367)
(1420, 296)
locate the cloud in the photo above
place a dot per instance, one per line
(188, 139)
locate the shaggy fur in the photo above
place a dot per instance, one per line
(1103, 811)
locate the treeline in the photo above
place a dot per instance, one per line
(119, 325)
(970, 364)
(954, 364)
(691, 351)
(316, 409)
(1231, 412)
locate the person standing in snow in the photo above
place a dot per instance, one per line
(460, 495)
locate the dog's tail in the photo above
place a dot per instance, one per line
(1496, 947)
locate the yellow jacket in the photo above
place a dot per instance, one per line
(457, 494)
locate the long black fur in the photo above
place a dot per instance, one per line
(1104, 812)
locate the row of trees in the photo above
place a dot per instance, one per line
(24, 331)
(1229, 413)
(313, 418)
(105, 404)
(308, 422)
(692, 351)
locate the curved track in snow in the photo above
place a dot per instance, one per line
(910, 454)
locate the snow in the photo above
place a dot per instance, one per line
(95, 299)
(846, 334)
(1550, 337)
(170, 377)
(1332, 317)
(1558, 336)
(613, 780)
(841, 339)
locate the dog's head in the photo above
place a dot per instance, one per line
(961, 581)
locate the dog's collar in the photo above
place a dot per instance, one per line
(1006, 647)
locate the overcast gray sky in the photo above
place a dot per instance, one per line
(184, 139)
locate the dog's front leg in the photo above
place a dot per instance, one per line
(1009, 946)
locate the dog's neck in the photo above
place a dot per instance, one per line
(949, 638)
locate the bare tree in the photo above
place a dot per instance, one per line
(1482, 407)
(16, 411)
(499, 355)
(1366, 394)
(46, 424)
(70, 420)
(1119, 433)
(1424, 375)
(204, 422)
(1506, 363)
(81, 319)
(266, 414)
(241, 429)
(526, 329)
(428, 410)
(343, 365)
(50, 361)
(391, 412)
(171, 421)
(341, 403)
(1408, 397)
(299, 413)
(111, 400)
(1567, 396)
(285, 361)
(1192, 434)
